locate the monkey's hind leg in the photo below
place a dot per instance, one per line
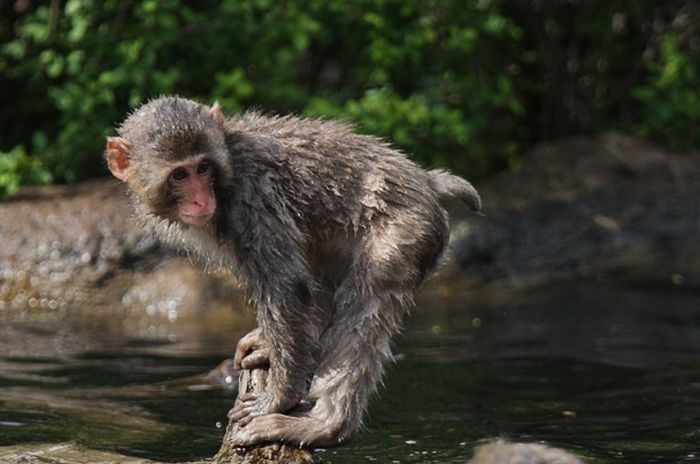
(352, 361)
(369, 305)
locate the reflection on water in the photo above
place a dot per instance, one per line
(610, 374)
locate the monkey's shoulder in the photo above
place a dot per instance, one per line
(285, 126)
(311, 137)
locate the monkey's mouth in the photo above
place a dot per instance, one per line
(197, 220)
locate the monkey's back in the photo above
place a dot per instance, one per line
(331, 175)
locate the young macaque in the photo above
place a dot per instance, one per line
(331, 232)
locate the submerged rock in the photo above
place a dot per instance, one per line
(62, 453)
(502, 452)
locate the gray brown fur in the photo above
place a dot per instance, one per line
(330, 231)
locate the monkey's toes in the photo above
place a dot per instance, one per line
(249, 406)
(260, 430)
(243, 407)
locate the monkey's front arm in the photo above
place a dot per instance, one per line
(281, 286)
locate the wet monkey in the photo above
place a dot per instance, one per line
(330, 232)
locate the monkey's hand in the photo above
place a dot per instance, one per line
(252, 405)
(252, 350)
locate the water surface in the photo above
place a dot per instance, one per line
(611, 374)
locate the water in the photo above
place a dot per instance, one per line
(610, 374)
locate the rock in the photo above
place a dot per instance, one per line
(502, 452)
(590, 208)
(225, 375)
(63, 453)
(66, 453)
(609, 207)
(86, 265)
(605, 207)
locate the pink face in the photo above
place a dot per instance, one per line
(193, 185)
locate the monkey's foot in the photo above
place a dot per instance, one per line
(252, 351)
(252, 405)
(300, 431)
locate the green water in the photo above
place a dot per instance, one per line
(612, 375)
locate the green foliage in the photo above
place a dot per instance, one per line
(671, 98)
(17, 168)
(467, 84)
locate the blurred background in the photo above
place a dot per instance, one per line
(568, 313)
(467, 84)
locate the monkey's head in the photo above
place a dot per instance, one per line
(172, 154)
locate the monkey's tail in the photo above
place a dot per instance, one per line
(450, 186)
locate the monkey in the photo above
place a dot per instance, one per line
(330, 232)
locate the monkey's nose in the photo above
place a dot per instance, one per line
(201, 202)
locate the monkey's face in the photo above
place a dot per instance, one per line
(179, 189)
(172, 154)
(191, 185)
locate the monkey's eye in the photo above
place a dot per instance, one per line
(178, 174)
(203, 167)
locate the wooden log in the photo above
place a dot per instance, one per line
(255, 381)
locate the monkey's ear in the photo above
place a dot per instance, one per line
(118, 158)
(218, 115)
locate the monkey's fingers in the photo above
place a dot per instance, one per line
(242, 350)
(259, 357)
(250, 342)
